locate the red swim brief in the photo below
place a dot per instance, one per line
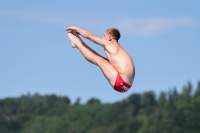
(120, 85)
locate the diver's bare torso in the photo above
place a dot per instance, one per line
(122, 62)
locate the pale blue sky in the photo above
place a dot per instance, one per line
(163, 38)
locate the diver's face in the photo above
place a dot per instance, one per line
(106, 37)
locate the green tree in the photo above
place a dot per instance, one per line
(93, 101)
(197, 92)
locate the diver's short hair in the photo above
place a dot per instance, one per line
(114, 32)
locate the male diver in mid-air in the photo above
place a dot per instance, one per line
(118, 68)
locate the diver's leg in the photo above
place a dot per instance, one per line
(108, 70)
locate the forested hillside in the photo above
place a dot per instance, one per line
(169, 112)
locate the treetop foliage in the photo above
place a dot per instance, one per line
(139, 113)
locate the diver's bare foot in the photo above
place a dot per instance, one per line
(74, 40)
